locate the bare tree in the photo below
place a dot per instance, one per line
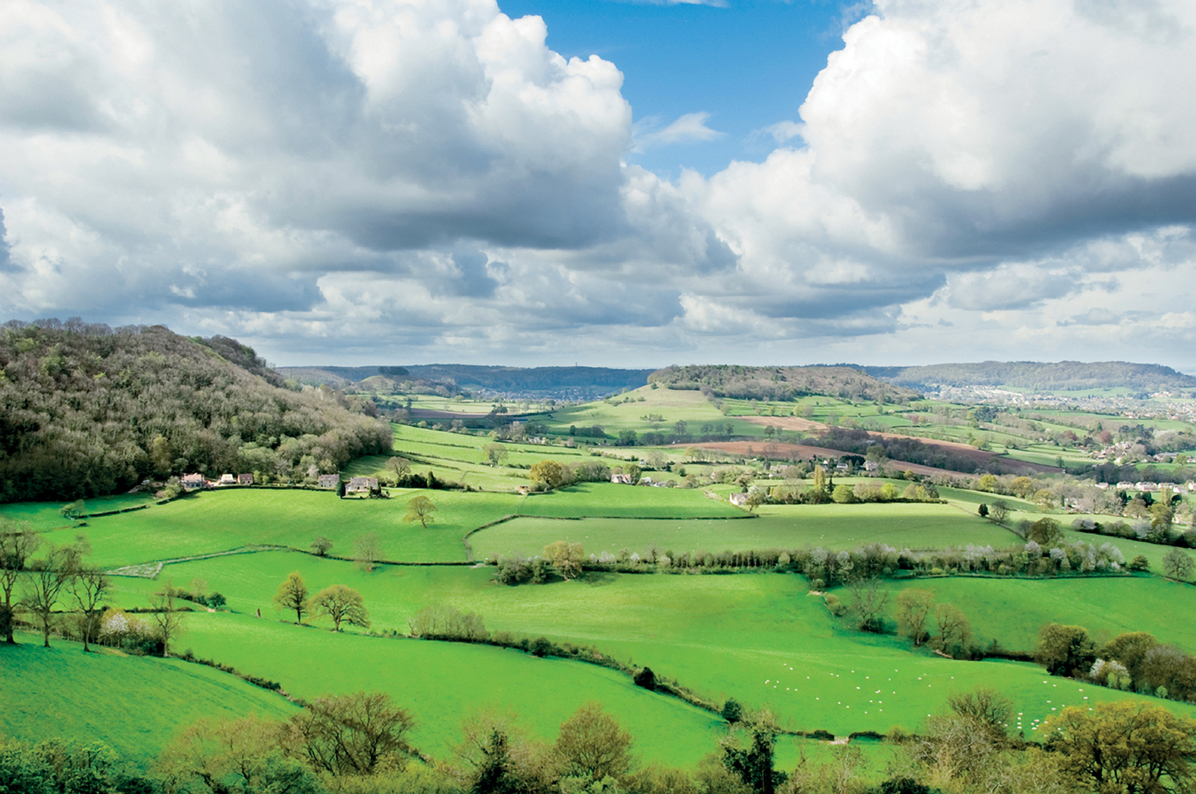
(367, 551)
(166, 619)
(913, 613)
(89, 587)
(44, 585)
(870, 600)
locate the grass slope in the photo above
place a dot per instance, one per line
(217, 521)
(441, 683)
(63, 692)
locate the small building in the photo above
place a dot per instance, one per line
(361, 485)
(620, 479)
(228, 479)
(244, 479)
(193, 482)
(739, 499)
(328, 481)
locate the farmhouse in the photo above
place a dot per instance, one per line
(228, 479)
(328, 481)
(739, 499)
(244, 479)
(193, 482)
(361, 485)
(620, 479)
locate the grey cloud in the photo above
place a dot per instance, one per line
(1015, 287)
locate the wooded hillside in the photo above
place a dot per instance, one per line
(781, 383)
(88, 410)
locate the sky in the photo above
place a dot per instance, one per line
(628, 184)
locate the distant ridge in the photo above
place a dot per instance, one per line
(1040, 376)
(583, 382)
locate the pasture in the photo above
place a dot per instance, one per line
(760, 638)
(913, 526)
(1012, 610)
(65, 693)
(216, 521)
(442, 683)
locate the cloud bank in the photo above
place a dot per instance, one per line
(414, 181)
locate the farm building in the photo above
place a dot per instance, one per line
(361, 485)
(191, 482)
(244, 479)
(330, 481)
(228, 479)
(620, 479)
(739, 499)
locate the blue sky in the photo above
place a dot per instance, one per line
(747, 65)
(614, 183)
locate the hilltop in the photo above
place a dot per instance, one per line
(782, 383)
(87, 410)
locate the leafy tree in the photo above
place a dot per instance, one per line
(646, 679)
(357, 734)
(983, 510)
(1130, 649)
(633, 472)
(1065, 650)
(914, 609)
(498, 758)
(422, 509)
(321, 546)
(1125, 746)
(367, 550)
(753, 764)
(565, 557)
(1177, 564)
(591, 745)
(18, 542)
(292, 595)
(89, 586)
(496, 454)
(400, 466)
(1046, 532)
(341, 604)
(76, 509)
(549, 472)
(732, 711)
(843, 495)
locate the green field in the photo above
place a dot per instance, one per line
(607, 500)
(45, 515)
(64, 693)
(757, 637)
(913, 526)
(442, 683)
(216, 521)
(628, 412)
(1012, 610)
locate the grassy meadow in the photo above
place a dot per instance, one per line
(64, 692)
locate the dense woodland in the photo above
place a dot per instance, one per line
(88, 410)
(781, 383)
(1041, 376)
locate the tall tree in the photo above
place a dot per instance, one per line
(341, 604)
(591, 745)
(292, 595)
(549, 472)
(18, 542)
(89, 587)
(914, 608)
(167, 621)
(45, 584)
(367, 551)
(422, 509)
(355, 734)
(1065, 650)
(565, 557)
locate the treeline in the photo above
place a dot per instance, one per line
(1041, 376)
(781, 383)
(86, 410)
